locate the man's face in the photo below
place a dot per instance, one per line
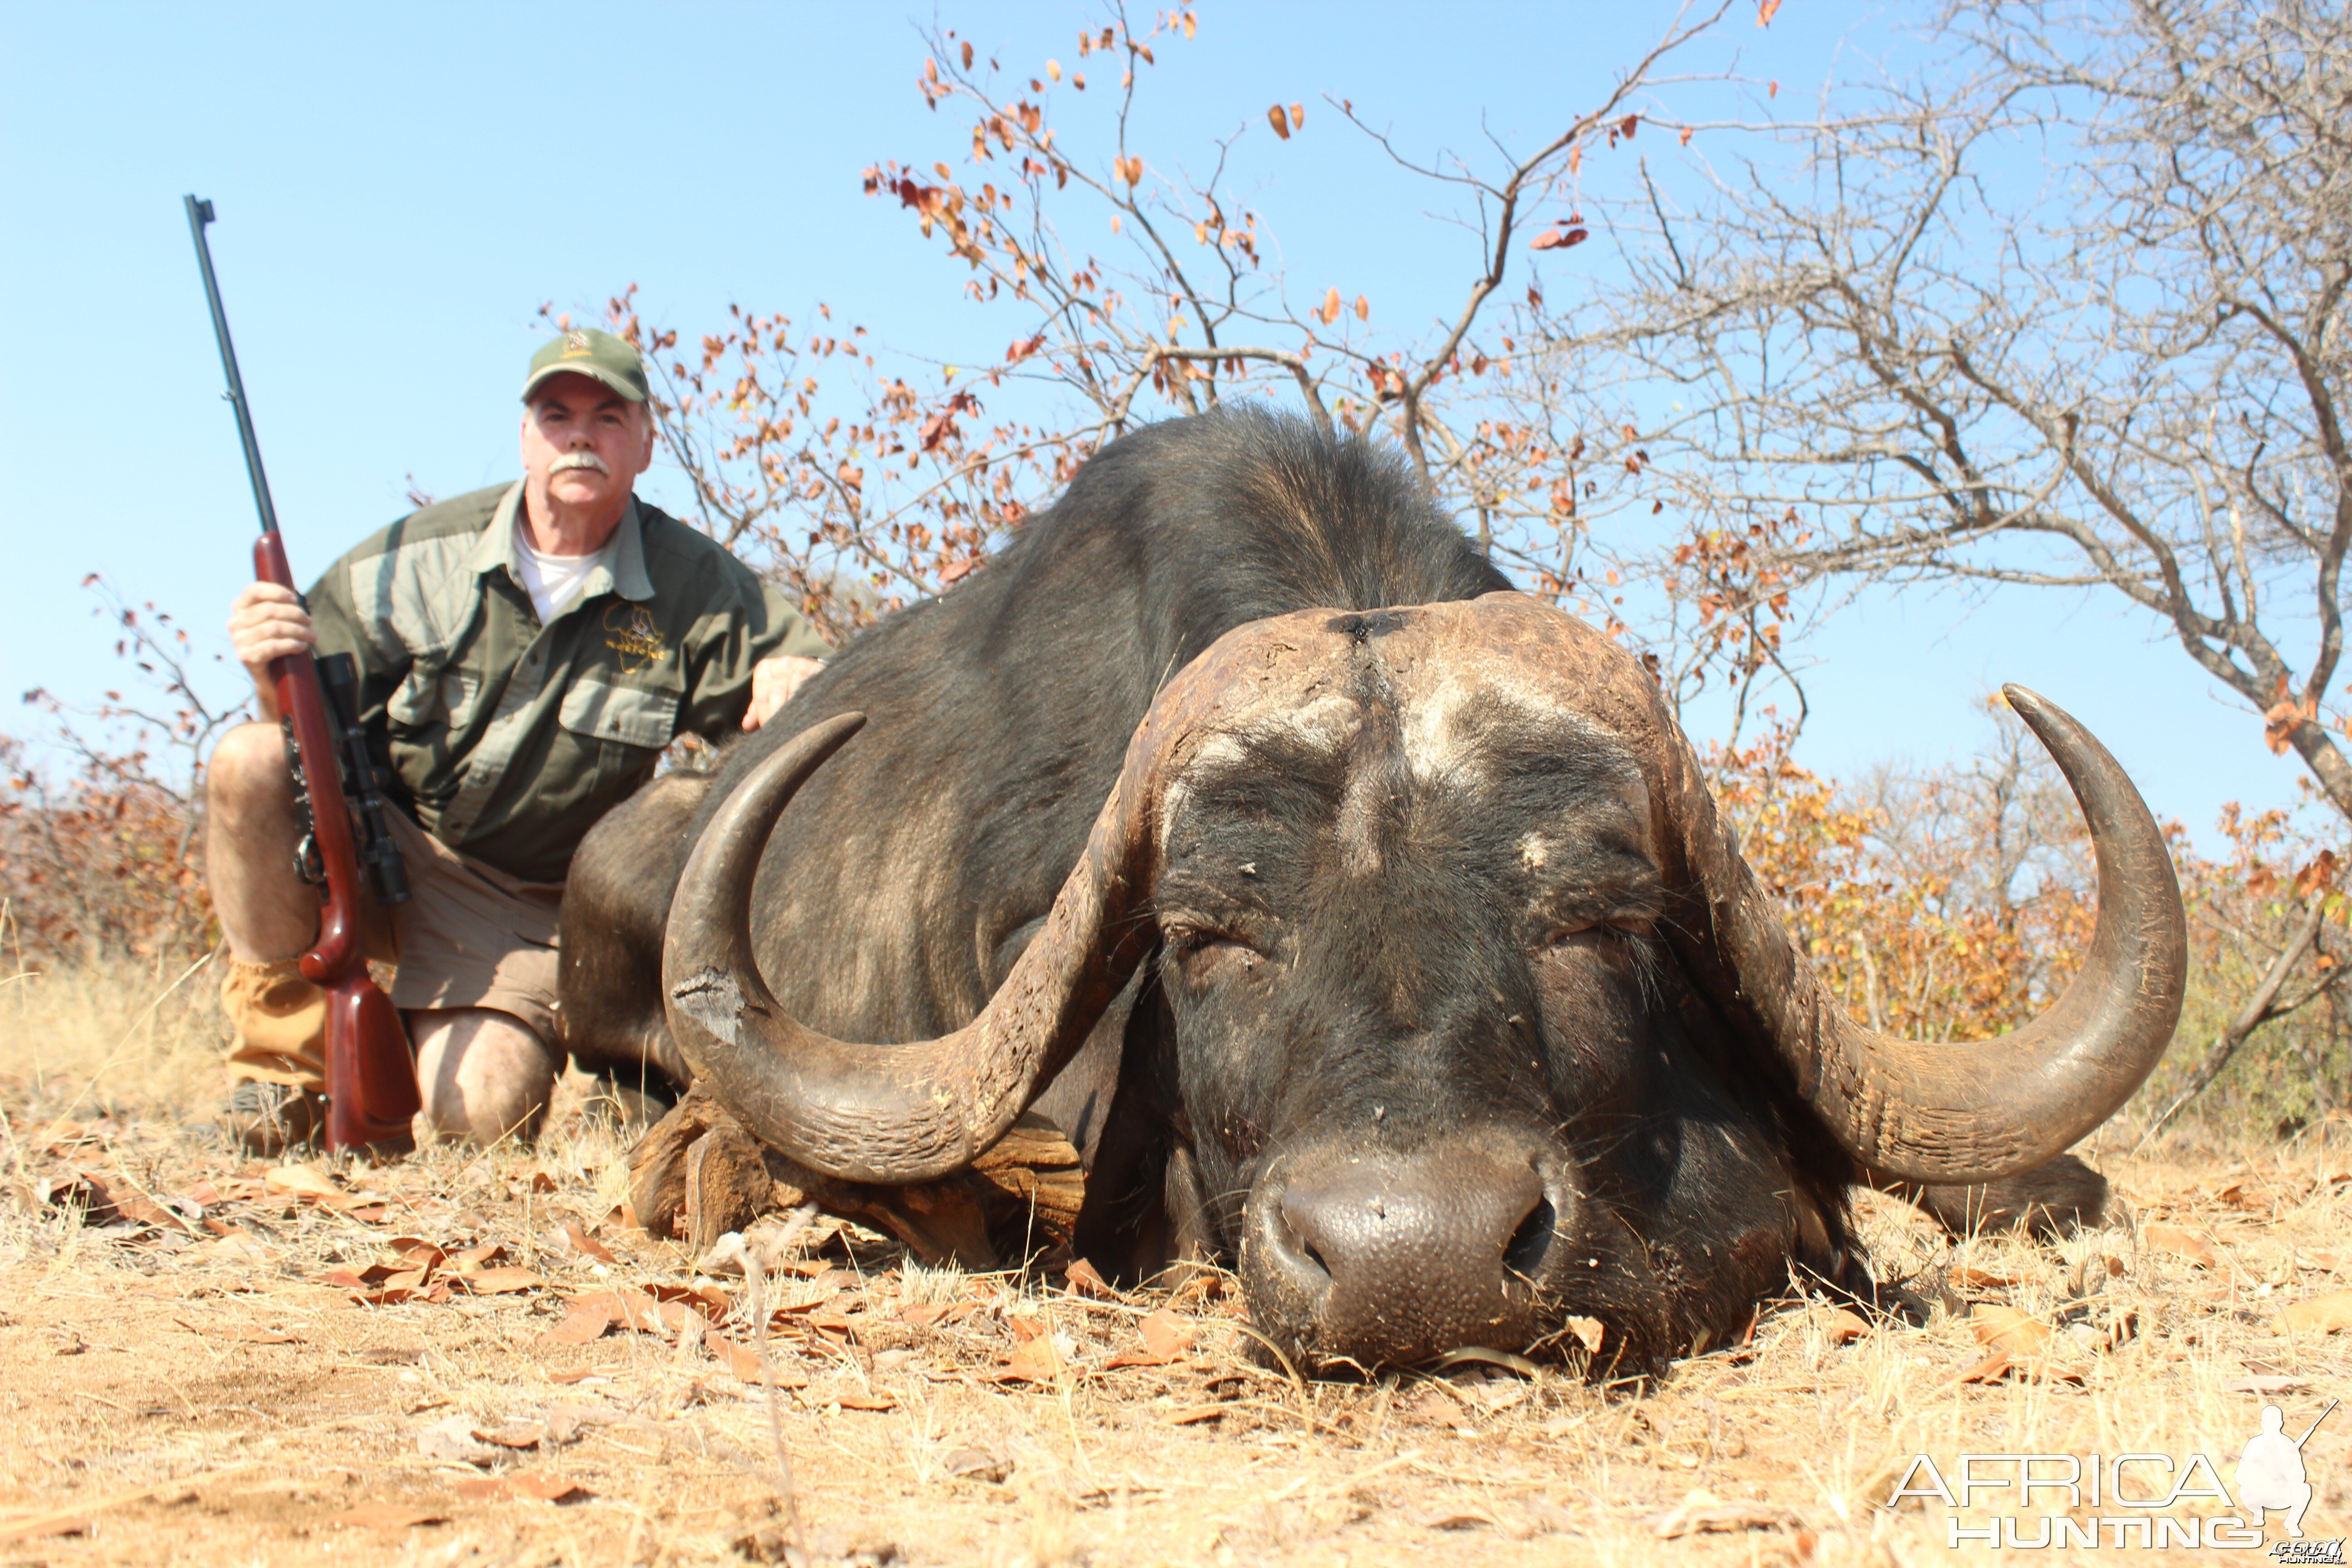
(583, 445)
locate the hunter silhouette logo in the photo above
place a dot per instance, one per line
(2270, 1472)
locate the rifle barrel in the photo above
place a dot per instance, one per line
(200, 212)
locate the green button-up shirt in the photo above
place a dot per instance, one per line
(509, 738)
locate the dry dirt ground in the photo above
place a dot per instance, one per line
(474, 1359)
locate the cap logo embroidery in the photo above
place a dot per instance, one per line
(575, 345)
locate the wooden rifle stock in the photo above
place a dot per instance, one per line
(370, 1080)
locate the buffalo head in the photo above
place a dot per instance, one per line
(1481, 1023)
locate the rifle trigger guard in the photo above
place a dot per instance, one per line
(308, 865)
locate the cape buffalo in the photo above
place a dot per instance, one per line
(1359, 920)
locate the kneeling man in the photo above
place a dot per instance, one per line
(525, 653)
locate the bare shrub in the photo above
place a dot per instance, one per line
(102, 860)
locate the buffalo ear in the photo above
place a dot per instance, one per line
(1078, 1100)
(1132, 1229)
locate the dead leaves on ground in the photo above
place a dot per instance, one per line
(1701, 1512)
(1166, 1338)
(2016, 1345)
(2321, 1314)
(243, 1334)
(113, 1198)
(586, 1244)
(2019, 1344)
(418, 1269)
(538, 1487)
(2007, 1329)
(2268, 1384)
(2193, 1247)
(105, 1199)
(836, 1328)
(460, 1440)
(76, 1518)
(41, 1526)
(573, 1282)
(1039, 1356)
(452, 1439)
(389, 1516)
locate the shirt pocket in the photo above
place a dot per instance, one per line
(629, 715)
(443, 698)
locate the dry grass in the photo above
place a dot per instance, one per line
(197, 1391)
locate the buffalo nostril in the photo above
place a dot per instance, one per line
(1293, 1233)
(1523, 1255)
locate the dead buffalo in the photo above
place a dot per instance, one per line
(1358, 919)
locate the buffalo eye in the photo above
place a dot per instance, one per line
(1626, 926)
(1204, 955)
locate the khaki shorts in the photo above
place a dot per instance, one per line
(469, 936)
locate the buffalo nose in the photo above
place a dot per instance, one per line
(1389, 1257)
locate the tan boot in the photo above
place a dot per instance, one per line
(278, 1057)
(268, 1120)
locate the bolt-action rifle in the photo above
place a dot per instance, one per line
(371, 1081)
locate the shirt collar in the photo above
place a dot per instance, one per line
(622, 572)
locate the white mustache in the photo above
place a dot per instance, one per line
(570, 460)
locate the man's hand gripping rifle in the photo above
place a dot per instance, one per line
(370, 1080)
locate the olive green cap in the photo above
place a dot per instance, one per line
(595, 353)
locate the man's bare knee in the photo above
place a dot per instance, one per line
(248, 774)
(250, 839)
(483, 1073)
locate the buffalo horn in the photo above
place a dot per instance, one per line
(893, 1113)
(1952, 1111)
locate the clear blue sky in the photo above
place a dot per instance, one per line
(400, 187)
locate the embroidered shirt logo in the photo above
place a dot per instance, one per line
(629, 631)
